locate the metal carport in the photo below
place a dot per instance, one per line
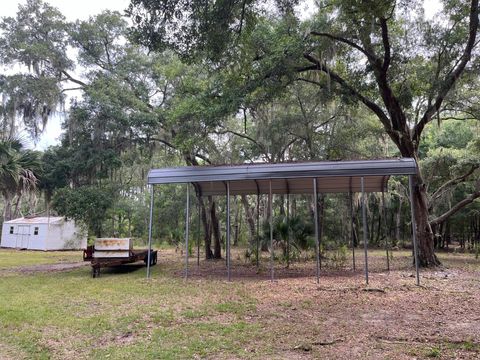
(286, 178)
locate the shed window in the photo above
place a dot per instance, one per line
(11, 229)
(35, 231)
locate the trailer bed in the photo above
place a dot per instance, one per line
(110, 260)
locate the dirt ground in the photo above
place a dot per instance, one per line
(48, 267)
(343, 318)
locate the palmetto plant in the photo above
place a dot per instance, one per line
(19, 169)
(301, 231)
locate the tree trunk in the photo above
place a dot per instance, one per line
(250, 221)
(398, 219)
(426, 254)
(7, 209)
(237, 221)
(206, 229)
(217, 248)
(18, 206)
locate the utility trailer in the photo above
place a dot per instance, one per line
(109, 252)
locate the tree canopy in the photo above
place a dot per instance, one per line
(211, 82)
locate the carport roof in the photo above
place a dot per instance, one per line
(293, 178)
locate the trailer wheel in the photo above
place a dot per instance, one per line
(153, 258)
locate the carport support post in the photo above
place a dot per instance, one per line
(228, 230)
(352, 234)
(150, 232)
(199, 229)
(187, 229)
(364, 220)
(414, 228)
(288, 229)
(270, 218)
(317, 244)
(258, 229)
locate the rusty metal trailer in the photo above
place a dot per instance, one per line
(110, 252)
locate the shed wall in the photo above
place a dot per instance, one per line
(64, 235)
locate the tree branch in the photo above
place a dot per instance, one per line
(339, 80)
(245, 136)
(170, 145)
(460, 205)
(282, 152)
(452, 182)
(69, 77)
(452, 77)
(345, 41)
(72, 89)
(386, 44)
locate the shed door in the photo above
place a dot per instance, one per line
(23, 236)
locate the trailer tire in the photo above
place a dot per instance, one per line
(153, 258)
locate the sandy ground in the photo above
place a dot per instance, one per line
(343, 318)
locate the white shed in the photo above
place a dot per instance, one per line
(43, 233)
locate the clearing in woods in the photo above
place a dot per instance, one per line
(60, 312)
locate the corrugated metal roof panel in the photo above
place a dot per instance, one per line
(295, 178)
(36, 220)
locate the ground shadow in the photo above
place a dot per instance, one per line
(122, 269)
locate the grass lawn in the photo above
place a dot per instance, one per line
(121, 315)
(14, 258)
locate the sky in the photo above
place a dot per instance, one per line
(73, 10)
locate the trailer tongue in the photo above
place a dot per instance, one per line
(109, 252)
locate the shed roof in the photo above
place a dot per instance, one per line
(36, 220)
(294, 178)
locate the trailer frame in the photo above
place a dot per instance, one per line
(134, 256)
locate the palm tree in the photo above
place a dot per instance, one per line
(19, 169)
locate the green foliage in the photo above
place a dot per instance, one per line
(87, 204)
(300, 229)
(56, 170)
(339, 256)
(19, 172)
(434, 352)
(232, 82)
(37, 39)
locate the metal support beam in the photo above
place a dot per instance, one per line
(199, 229)
(257, 240)
(270, 218)
(288, 230)
(414, 228)
(228, 231)
(187, 229)
(317, 240)
(352, 230)
(364, 220)
(150, 232)
(257, 255)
